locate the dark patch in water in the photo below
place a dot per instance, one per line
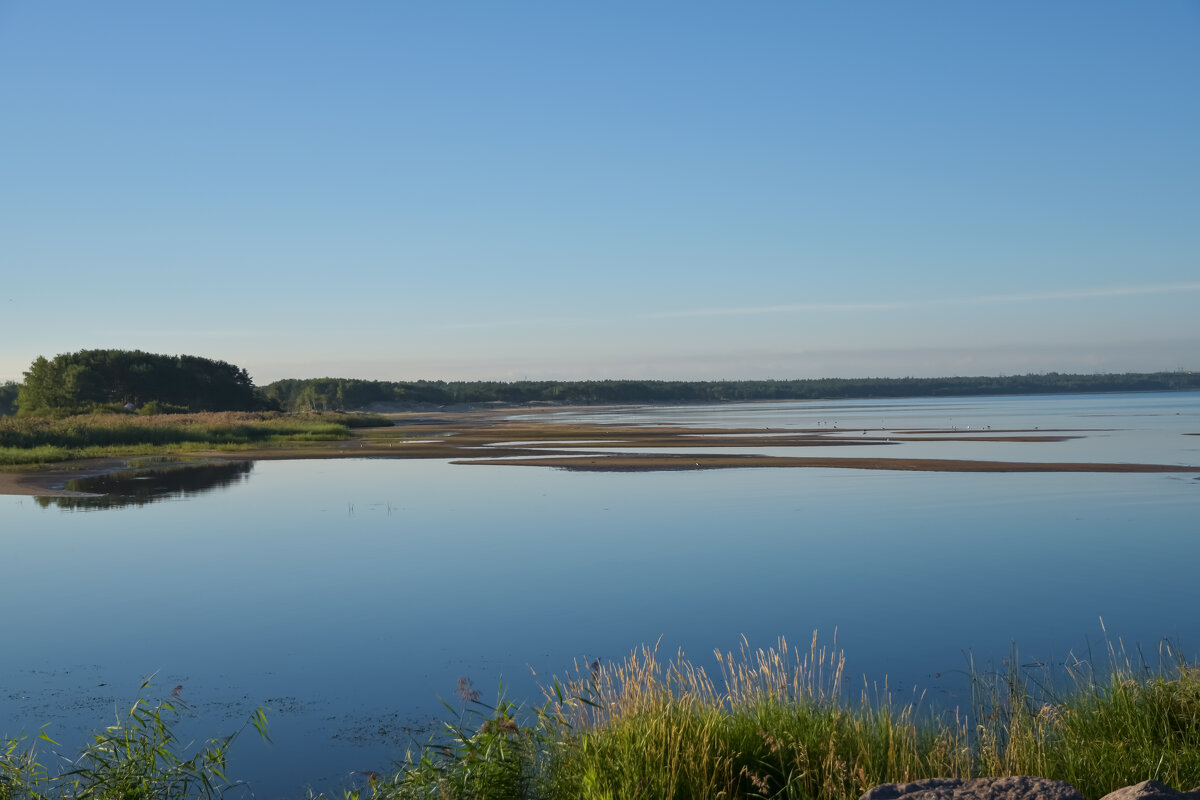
(143, 486)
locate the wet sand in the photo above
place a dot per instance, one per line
(50, 480)
(487, 436)
(653, 463)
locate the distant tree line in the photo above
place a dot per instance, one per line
(92, 380)
(338, 394)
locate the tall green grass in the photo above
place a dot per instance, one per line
(1110, 725)
(31, 440)
(40, 454)
(780, 724)
(773, 723)
(136, 758)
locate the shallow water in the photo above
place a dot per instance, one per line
(1145, 427)
(348, 595)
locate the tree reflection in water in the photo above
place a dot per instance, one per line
(142, 486)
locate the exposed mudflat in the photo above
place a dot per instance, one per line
(489, 436)
(651, 463)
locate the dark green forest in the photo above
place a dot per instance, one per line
(337, 394)
(8, 397)
(97, 380)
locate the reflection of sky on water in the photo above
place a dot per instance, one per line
(1129, 428)
(349, 594)
(1093, 447)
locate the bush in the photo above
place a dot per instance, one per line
(155, 407)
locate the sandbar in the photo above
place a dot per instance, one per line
(494, 437)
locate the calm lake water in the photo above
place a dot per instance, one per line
(348, 596)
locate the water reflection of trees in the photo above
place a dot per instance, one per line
(142, 486)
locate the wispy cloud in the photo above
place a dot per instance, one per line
(508, 322)
(1029, 297)
(788, 308)
(1078, 294)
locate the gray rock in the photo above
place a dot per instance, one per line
(1152, 790)
(1011, 788)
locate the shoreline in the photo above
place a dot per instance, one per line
(662, 463)
(50, 480)
(492, 436)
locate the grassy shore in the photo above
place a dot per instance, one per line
(35, 440)
(773, 724)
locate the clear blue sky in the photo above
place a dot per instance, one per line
(692, 189)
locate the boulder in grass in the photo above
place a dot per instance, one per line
(1011, 788)
(1152, 790)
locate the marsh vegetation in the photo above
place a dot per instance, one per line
(773, 724)
(37, 440)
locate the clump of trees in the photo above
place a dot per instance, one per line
(97, 380)
(8, 398)
(338, 394)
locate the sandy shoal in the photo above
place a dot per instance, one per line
(492, 436)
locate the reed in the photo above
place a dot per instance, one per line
(136, 758)
(40, 454)
(33, 440)
(1120, 721)
(776, 723)
(771, 723)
